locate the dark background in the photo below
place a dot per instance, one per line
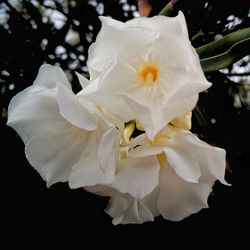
(35, 216)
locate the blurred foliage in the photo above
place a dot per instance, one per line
(60, 32)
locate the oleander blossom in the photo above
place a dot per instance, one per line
(126, 134)
(145, 69)
(65, 139)
(188, 168)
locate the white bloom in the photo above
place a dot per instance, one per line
(145, 69)
(188, 169)
(65, 140)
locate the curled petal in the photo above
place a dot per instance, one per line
(179, 198)
(83, 80)
(179, 195)
(73, 111)
(138, 176)
(48, 76)
(125, 210)
(176, 26)
(183, 163)
(212, 160)
(34, 111)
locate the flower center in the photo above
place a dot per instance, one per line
(148, 73)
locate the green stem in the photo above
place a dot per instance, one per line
(167, 9)
(199, 117)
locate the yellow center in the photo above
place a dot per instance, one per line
(148, 73)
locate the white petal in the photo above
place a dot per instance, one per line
(142, 112)
(192, 85)
(178, 108)
(138, 176)
(151, 200)
(162, 24)
(153, 120)
(105, 91)
(117, 206)
(178, 198)
(137, 214)
(83, 80)
(107, 149)
(180, 84)
(90, 88)
(145, 150)
(144, 213)
(53, 154)
(212, 160)
(182, 22)
(108, 21)
(34, 111)
(73, 111)
(139, 140)
(183, 162)
(49, 76)
(125, 210)
(174, 31)
(87, 171)
(102, 190)
(112, 119)
(105, 49)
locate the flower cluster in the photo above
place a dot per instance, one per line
(126, 133)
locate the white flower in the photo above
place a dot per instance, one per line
(188, 169)
(65, 139)
(145, 69)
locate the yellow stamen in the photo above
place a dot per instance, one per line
(164, 135)
(161, 159)
(139, 125)
(160, 139)
(123, 149)
(148, 74)
(183, 122)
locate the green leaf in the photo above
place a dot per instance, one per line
(220, 46)
(225, 51)
(223, 60)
